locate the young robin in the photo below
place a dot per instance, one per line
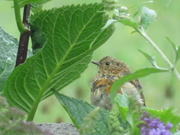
(110, 70)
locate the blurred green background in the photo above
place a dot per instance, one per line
(161, 90)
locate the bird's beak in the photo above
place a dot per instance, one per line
(95, 62)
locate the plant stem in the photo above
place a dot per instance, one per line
(24, 38)
(31, 115)
(20, 25)
(171, 66)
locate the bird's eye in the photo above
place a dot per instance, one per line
(108, 63)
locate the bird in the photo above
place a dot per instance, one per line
(110, 70)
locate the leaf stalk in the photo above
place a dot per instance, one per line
(19, 23)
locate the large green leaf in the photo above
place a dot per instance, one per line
(88, 118)
(72, 33)
(8, 50)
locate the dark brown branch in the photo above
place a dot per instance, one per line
(24, 38)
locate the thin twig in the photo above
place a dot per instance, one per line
(24, 38)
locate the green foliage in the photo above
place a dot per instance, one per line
(130, 111)
(95, 123)
(124, 118)
(8, 50)
(152, 60)
(172, 44)
(12, 121)
(117, 124)
(85, 116)
(138, 74)
(63, 42)
(133, 112)
(129, 22)
(72, 34)
(166, 115)
(146, 17)
(89, 124)
(77, 109)
(122, 103)
(176, 50)
(37, 7)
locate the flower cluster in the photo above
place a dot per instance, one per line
(153, 126)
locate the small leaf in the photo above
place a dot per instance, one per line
(152, 59)
(136, 13)
(109, 22)
(126, 21)
(36, 7)
(139, 73)
(176, 49)
(172, 44)
(129, 22)
(177, 54)
(117, 124)
(147, 17)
